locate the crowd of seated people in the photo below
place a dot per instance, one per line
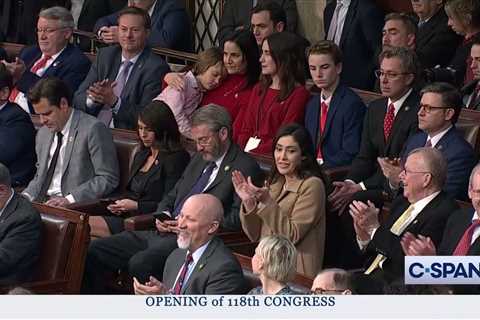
(246, 105)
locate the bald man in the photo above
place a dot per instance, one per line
(202, 264)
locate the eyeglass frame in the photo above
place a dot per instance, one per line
(321, 291)
(428, 109)
(390, 76)
(48, 30)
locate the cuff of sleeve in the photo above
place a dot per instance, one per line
(116, 107)
(70, 198)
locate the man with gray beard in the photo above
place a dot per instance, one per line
(202, 264)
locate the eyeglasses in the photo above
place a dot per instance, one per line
(427, 108)
(48, 30)
(389, 75)
(318, 291)
(204, 141)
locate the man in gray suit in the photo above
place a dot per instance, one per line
(202, 264)
(76, 156)
(124, 78)
(20, 234)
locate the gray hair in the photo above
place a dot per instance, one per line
(408, 58)
(342, 279)
(5, 178)
(214, 116)
(475, 171)
(435, 164)
(279, 257)
(60, 14)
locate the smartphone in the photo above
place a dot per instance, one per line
(163, 216)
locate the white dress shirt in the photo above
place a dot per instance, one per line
(476, 233)
(21, 98)
(76, 9)
(342, 14)
(436, 138)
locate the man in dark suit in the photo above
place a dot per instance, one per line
(202, 264)
(388, 123)
(439, 110)
(210, 171)
(77, 160)
(17, 135)
(20, 234)
(3, 53)
(435, 42)
(53, 56)
(125, 78)
(422, 210)
(334, 117)
(471, 91)
(237, 14)
(171, 25)
(356, 27)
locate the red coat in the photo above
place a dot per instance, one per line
(273, 114)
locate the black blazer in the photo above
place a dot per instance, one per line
(360, 40)
(436, 42)
(456, 226)
(17, 144)
(161, 177)
(216, 272)
(430, 222)
(365, 166)
(221, 187)
(466, 91)
(20, 239)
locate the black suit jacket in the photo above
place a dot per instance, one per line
(17, 144)
(456, 226)
(221, 187)
(430, 222)
(467, 91)
(159, 180)
(216, 272)
(360, 40)
(365, 166)
(436, 42)
(20, 239)
(143, 83)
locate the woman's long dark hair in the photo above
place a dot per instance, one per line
(308, 166)
(287, 52)
(159, 118)
(245, 40)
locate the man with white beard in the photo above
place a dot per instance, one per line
(202, 264)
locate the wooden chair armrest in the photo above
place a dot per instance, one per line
(141, 222)
(96, 207)
(337, 174)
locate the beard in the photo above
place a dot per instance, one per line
(184, 240)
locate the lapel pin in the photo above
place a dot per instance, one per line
(70, 139)
(226, 168)
(407, 108)
(55, 64)
(439, 148)
(200, 267)
(156, 162)
(415, 221)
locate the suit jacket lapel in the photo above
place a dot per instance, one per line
(137, 165)
(70, 140)
(45, 153)
(10, 208)
(316, 120)
(135, 74)
(225, 167)
(426, 213)
(335, 103)
(58, 62)
(404, 111)
(352, 11)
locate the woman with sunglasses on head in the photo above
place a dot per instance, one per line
(292, 203)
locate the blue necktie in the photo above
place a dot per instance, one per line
(197, 188)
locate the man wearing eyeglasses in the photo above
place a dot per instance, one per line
(52, 57)
(210, 171)
(332, 281)
(422, 209)
(388, 123)
(471, 91)
(439, 110)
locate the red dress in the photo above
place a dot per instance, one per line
(231, 94)
(264, 120)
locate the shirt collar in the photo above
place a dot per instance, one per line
(3, 105)
(345, 3)
(219, 161)
(398, 104)
(190, 77)
(197, 254)
(66, 127)
(56, 55)
(422, 203)
(434, 140)
(8, 201)
(326, 100)
(152, 8)
(133, 60)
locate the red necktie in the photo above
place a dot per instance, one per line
(179, 284)
(323, 121)
(428, 144)
(464, 244)
(37, 66)
(388, 121)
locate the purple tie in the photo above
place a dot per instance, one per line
(181, 278)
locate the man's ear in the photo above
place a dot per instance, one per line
(4, 93)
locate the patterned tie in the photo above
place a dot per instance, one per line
(428, 144)
(474, 98)
(197, 188)
(42, 195)
(332, 30)
(37, 66)
(105, 115)
(388, 121)
(177, 288)
(323, 121)
(464, 244)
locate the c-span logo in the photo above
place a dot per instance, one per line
(442, 270)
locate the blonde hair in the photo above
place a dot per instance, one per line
(279, 257)
(207, 59)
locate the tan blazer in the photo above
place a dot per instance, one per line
(297, 213)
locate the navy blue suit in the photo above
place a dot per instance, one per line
(171, 26)
(70, 66)
(17, 144)
(360, 40)
(343, 130)
(459, 155)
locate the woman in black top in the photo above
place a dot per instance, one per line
(154, 172)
